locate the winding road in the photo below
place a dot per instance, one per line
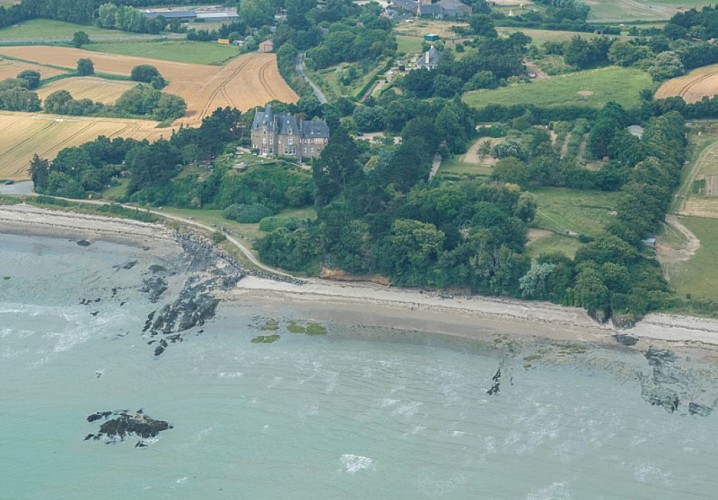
(299, 68)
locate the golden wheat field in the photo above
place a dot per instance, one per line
(692, 87)
(88, 87)
(10, 69)
(24, 134)
(247, 81)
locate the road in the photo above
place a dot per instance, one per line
(299, 68)
(25, 188)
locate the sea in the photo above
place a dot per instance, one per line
(364, 411)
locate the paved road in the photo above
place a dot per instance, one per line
(299, 68)
(24, 188)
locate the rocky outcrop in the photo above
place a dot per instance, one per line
(627, 340)
(126, 424)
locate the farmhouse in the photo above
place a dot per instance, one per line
(266, 46)
(282, 134)
(429, 59)
(443, 9)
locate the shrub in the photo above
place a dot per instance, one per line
(269, 224)
(246, 213)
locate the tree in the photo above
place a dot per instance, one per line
(31, 77)
(482, 25)
(666, 65)
(79, 39)
(626, 53)
(85, 67)
(39, 172)
(146, 73)
(511, 170)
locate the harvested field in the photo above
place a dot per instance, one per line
(692, 87)
(245, 82)
(23, 134)
(10, 69)
(97, 89)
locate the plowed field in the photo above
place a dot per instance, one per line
(97, 89)
(23, 134)
(247, 81)
(693, 86)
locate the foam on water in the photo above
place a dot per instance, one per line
(317, 417)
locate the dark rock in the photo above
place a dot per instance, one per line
(699, 409)
(95, 313)
(497, 382)
(665, 397)
(658, 357)
(626, 340)
(94, 416)
(98, 299)
(84, 243)
(156, 268)
(126, 424)
(154, 286)
(88, 437)
(129, 265)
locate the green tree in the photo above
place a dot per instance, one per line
(31, 77)
(411, 252)
(667, 65)
(79, 39)
(85, 67)
(39, 172)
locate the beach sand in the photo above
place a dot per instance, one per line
(375, 305)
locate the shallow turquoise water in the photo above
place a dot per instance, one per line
(359, 413)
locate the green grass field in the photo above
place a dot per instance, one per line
(455, 166)
(699, 275)
(177, 50)
(567, 245)
(408, 44)
(38, 29)
(592, 88)
(634, 10)
(563, 210)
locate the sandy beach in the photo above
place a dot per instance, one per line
(369, 304)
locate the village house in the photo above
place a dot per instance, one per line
(282, 134)
(429, 59)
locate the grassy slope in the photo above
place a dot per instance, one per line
(47, 28)
(179, 51)
(563, 90)
(561, 210)
(699, 275)
(457, 166)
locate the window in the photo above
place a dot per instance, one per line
(290, 141)
(264, 140)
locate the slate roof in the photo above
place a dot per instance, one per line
(282, 123)
(170, 14)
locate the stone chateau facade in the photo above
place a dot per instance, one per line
(282, 134)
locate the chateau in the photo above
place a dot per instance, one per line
(282, 134)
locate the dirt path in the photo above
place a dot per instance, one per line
(564, 146)
(582, 148)
(435, 165)
(680, 254)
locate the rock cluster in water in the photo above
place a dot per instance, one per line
(126, 424)
(669, 384)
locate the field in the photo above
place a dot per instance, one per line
(182, 51)
(97, 89)
(48, 29)
(23, 134)
(698, 194)
(589, 213)
(592, 88)
(693, 86)
(539, 37)
(10, 69)
(633, 10)
(245, 82)
(697, 276)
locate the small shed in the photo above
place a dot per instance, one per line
(432, 37)
(266, 46)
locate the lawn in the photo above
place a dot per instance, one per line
(456, 166)
(567, 245)
(591, 88)
(182, 51)
(574, 212)
(41, 29)
(699, 275)
(409, 44)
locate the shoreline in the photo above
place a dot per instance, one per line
(406, 309)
